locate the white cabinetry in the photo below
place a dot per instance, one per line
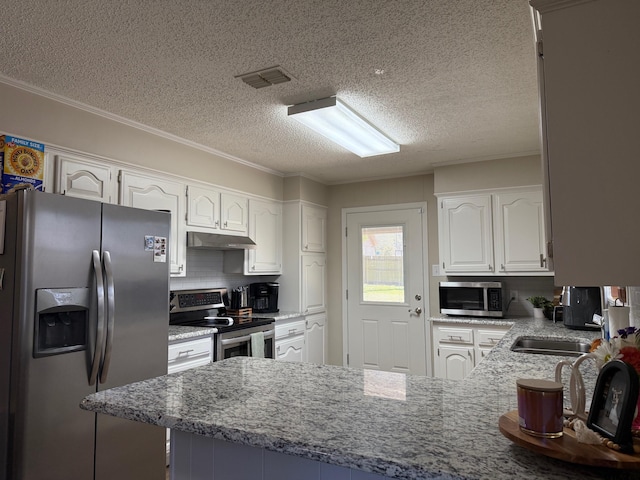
(460, 347)
(150, 193)
(186, 354)
(466, 241)
(495, 233)
(314, 229)
(590, 103)
(303, 280)
(290, 340)
(211, 209)
(265, 228)
(76, 176)
(316, 338)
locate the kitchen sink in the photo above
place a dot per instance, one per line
(551, 346)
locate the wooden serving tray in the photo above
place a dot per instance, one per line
(567, 447)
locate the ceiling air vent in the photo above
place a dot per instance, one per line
(265, 78)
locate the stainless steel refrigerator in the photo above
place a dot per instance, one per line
(84, 290)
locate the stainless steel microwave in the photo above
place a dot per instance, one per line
(472, 299)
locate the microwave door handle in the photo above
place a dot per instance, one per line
(110, 317)
(99, 347)
(485, 295)
(245, 338)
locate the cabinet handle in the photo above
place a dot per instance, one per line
(502, 267)
(306, 247)
(217, 223)
(253, 267)
(181, 267)
(455, 338)
(543, 260)
(225, 224)
(469, 352)
(490, 268)
(185, 352)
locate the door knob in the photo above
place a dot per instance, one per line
(417, 311)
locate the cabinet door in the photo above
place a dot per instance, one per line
(453, 362)
(157, 194)
(314, 229)
(290, 349)
(466, 236)
(265, 228)
(82, 178)
(313, 283)
(203, 207)
(316, 333)
(519, 232)
(234, 214)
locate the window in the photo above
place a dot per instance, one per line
(383, 264)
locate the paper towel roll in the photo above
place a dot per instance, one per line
(618, 319)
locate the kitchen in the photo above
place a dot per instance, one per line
(77, 132)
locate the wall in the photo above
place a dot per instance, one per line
(501, 173)
(38, 118)
(383, 192)
(303, 188)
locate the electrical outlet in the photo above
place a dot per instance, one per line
(435, 270)
(514, 295)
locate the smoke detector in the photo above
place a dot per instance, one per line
(266, 77)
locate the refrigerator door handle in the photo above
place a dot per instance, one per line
(99, 347)
(110, 316)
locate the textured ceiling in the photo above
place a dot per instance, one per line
(459, 79)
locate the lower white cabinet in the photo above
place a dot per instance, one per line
(290, 340)
(316, 333)
(458, 347)
(186, 354)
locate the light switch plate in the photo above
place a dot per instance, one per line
(435, 270)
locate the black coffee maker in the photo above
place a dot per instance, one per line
(264, 297)
(579, 304)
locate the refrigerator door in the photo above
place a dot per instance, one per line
(52, 238)
(137, 337)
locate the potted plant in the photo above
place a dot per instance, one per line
(539, 304)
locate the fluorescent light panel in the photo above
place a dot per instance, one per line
(337, 122)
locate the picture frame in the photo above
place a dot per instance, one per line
(614, 403)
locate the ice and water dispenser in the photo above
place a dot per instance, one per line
(62, 318)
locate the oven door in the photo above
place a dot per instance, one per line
(238, 342)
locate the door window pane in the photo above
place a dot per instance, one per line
(383, 264)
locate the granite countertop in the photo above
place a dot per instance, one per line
(392, 424)
(178, 332)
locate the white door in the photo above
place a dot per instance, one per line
(386, 302)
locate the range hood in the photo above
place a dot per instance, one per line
(216, 241)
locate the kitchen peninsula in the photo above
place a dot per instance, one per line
(265, 418)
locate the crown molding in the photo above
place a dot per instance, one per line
(544, 6)
(131, 123)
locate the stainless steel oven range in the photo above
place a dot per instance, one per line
(207, 308)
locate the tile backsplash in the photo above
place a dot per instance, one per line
(205, 270)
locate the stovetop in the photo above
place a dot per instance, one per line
(190, 307)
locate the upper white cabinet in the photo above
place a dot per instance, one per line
(150, 193)
(495, 233)
(314, 229)
(234, 213)
(466, 238)
(211, 209)
(588, 73)
(80, 177)
(265, 228)
(519, 232)
(203, 207)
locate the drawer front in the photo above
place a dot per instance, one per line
(190, 354)
(290, 329)
(452, 335)
(489, 338)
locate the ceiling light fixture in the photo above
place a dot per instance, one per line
(333, 119)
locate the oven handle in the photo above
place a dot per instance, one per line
(245, 338)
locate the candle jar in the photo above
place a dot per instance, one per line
(540, 407)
